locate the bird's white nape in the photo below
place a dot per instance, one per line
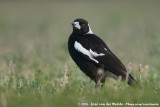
(90, 31)
(91, 54)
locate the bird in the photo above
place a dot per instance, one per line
(93, 56)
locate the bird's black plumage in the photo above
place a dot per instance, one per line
(92, 55)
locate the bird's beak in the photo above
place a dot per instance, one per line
(76, 25)
(73, 23)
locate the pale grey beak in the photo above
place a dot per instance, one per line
(76, 25)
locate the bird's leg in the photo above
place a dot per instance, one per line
(96, 85)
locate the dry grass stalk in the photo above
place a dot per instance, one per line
(3, 100)
(20, 83)
(58, 86)
(146, 68)
(66, 75)
(11, 67)
(119, 79)
(140, 69)
(65, 79)
(116, 86)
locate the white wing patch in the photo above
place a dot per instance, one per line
(91, 54)
(105, 49)
(95, 54)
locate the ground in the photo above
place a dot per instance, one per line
(36, 69)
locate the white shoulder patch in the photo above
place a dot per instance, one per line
(91, 54)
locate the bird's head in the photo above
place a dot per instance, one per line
(81, 26)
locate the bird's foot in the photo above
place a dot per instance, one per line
(102, 84)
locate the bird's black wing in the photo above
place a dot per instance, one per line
(100, 54)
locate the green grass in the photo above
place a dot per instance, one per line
(34, 55)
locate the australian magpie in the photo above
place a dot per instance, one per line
(93, 56)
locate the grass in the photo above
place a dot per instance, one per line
(36, 69)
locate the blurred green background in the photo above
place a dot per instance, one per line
(36, 69)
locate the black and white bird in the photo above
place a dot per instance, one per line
(93, 56)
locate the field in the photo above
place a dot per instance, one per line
(37, 71)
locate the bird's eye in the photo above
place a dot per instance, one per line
(82, 25)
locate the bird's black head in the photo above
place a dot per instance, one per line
(81, 26)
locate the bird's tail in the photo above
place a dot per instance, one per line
(132, 81)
